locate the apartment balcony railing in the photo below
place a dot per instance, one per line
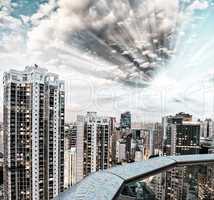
(175, 177)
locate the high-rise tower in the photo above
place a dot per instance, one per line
(93, 144)
(125, 120)
(33, 134)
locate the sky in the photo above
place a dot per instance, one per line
(152, 58)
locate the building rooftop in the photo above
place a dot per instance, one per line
(32, 74)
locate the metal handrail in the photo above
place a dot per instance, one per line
(107, 184)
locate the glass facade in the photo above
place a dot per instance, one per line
(125, 120)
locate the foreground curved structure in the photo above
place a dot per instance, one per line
(108, 184)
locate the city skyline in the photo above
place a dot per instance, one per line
(45, 158)
(107, 99)
(109, 77)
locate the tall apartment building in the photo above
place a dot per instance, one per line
(70, 155)
(33, 134)
(93, 144)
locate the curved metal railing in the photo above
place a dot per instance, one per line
(107, 184)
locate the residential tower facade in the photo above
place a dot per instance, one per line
(33, 134)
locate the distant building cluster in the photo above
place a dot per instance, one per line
(43, 155)
(182, 136)
(176, 135)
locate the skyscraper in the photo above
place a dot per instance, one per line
(93, 143)
(33, 134)
(182, 137)
(125, 120)
(70, 155)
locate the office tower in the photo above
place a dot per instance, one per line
(187, 137)
(136, 133)
(125, 120)
(130, 145)
(151, 142)
(112, 124)
(112, 143)
(182, 137)
(158, 139)
(115, 136)
(93, 144)
(33, 134)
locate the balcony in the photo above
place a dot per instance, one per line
(175, 177)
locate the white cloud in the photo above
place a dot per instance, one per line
(9, 22)
(58, 40)
(43, 12)
(6, 20)
(12, 43)
(5, 6)
(105, 21)
(199, 5)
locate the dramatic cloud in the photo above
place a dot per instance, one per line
(135, 38)
(141, 55)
